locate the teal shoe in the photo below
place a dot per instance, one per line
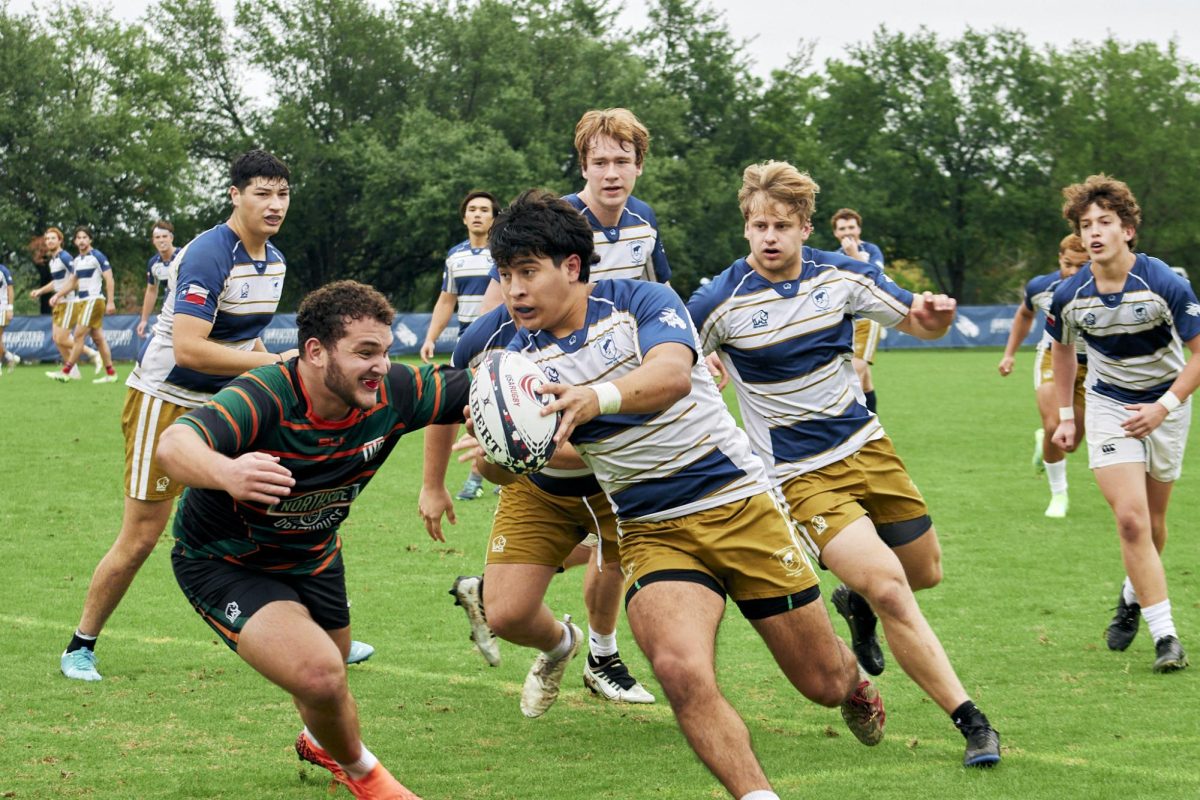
(79, 665)
(359, 652)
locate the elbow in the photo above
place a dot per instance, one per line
(167, 451)
(679, 388)
(186, 354)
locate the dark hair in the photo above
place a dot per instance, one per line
(325, 312)
(257, 164)
(462, 207)
(1108, 193)
(162, 223)
(85, 229)
(541, 224)
(845, 213)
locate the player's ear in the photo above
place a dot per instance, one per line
(573, 265)
(313, 351)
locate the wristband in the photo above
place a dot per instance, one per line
(609, 397)
(280, 357)
(1170, 401)
(1066, 414)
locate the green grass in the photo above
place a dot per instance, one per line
(1020, 612)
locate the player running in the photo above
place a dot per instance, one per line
(257, 549)
(1135, 316)
(1038, 292)
(91, 281)
(781, 321)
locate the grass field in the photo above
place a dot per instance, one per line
(1021, 611)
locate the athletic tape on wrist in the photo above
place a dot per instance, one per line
(609, 396)
(1066, 413)
(1170, 401)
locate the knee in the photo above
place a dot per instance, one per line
(832, 686)
(1132, 526)
(322, 683)
(683, 678)
(928, 575)
(889, 595)
(507, 619)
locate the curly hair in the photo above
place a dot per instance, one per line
(324, 313)
(1108, 193)
(778, 182)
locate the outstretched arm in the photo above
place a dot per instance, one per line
(1021, 325)
(930, 316)
(255, 477)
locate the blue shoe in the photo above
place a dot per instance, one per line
(80, 665)
(359, 652)
(471, 490)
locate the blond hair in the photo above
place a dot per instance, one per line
(778, 182)
(1071, 242)
(617, 123)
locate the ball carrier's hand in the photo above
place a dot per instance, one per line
(577, 404)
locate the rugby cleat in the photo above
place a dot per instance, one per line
(466, 592)
(864, 714)
(308, 750)
(79, 665)
(13, 360)
(57, 375)
(106, 378)
(471, 490)
(97, 365)
(610, 679)
(359, 652)
(1124, 626)
(545, 676)
(983, 745)
(1170, 655)
(1058, 506)
(75, 376)
(378, 784)
(857, 612)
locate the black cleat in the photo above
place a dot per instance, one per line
(1124, 626)
(983, 746)
(861, 619)
(1170, 655)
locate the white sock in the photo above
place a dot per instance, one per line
(564, 644)
(312, 737)
(359, 769)
(1056, 474)
(601, 645)
(84, 636)
(760, 794)
(1127, 592)
(1158, 617)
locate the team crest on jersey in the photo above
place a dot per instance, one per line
(459, 264)
(819, 524)
(759, 320)
(244, 292)
(792, 560)
(637, 252)
(608, 349)
(498, 544)
(162, 483)
(670, 317)
(371, 448)
(232, 612)
(1140, 313)
(820, 299)
(1089, 319)
(1193, 309)
(552, 374)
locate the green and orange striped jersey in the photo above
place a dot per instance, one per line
(268, 410)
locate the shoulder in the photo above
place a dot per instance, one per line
(154, 259)
(465, 244)
(1042, 283)
(707, 298)
(641, 209)
(213, 248)
(576, 201)
(825, 259)
(100, 257)
(274, 254)
(1067, 288)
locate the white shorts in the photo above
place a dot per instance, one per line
(1161, 451)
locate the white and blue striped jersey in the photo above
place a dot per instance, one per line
(633, 249)
(213, 278)
(5, 282)
(61, 269)
(158, 271)
(787, 347)
(1039, 293)
(467, 275)
(491, 332)
(89, 269)
(874, 254)
(656, 466)
(1134, 337)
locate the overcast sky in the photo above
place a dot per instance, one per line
(778, 26)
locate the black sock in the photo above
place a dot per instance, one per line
(870, 401)
(79, 642)
(967, 716)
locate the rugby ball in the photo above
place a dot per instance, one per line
(506, 412)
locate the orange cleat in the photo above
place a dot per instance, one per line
(308, 751)
(379, 785)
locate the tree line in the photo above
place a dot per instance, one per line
(954, 150)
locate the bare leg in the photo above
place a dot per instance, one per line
(921, 559)
(1125, 488)
(142, 524)
(512, 595)
(812, 657)
(602, 593)
(675, 623)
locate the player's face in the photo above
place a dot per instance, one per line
(52, 240)
(775, 238)
(611, 170)
(357, 365)
(847, 226)
(1070, 262)
(163, 239)
(538, 293)
(261, 206)
(478, 218)
(1103, 234)
(83, 242)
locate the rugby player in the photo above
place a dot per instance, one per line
(257, 549)
(158, 269)
(6, 314)
(1038, 292)
(91, 281)
(697, 519)
(58, 261)
(847, 229)
(781, 321)
(1136, 318)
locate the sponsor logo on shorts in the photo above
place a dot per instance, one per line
(232, 612)
(498, 544)
(792, 560)
(819, 524)
(1108, 449)
(161, 484)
